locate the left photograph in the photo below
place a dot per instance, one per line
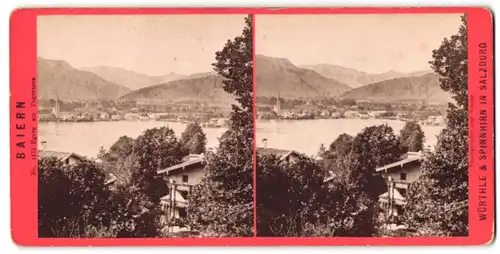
(145, 126)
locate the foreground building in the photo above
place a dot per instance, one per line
(284, 155)
(399, 175)
(66, 158)
(75, 159)
(181, 180)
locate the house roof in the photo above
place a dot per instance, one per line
(182, 165)
(269, 151)
(60, 155)
(410, 158)
(330, 177)
(193, 156)
(111, 178)
(282, 154)
(289, 153)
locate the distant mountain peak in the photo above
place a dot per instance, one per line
(278, 60)
(54, 63)
(355, 78)
(392, 72)
(135, 80)
(402, 89)
(280, 75)
(56, 78)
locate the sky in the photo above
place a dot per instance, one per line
(373, 43)
(148, 44)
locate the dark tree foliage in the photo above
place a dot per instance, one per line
(438, 200)
(353, 163)
(362, 186)
(197, 144)
(114, 160)
(154, 150)
(120, 149)
(297, 201)
(351, 202)
(222, 204)
(337, 150)
(373, 147)
(378, 145)
(235, 64)
(131, 216)
(71, 198)
(73, 201)
(342, 145)
(292, 195)
(412, 137)
(193, 140)
(450, 62)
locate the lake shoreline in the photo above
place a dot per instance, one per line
(86, 138)
(306, 136)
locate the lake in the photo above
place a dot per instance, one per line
(86, 138)
(306, 136)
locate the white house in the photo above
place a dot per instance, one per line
(399, 175)
(104, 116)
(351, 114)
(182, 177)
(336, 114)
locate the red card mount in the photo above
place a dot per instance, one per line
(29, 136)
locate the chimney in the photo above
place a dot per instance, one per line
(264, 142)
(43, 145)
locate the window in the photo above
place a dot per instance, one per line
(182, 213)
(185, 178)
(403, 176)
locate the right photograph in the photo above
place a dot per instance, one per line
(362, 125)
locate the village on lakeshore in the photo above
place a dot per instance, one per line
(296, 109)
(95, 111)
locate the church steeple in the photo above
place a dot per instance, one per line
(56, 109)
(277, 107)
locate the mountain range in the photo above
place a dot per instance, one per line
(414, 88)
(58, 79)
(199, 88)
(279, 76)
(135, 80)
(274, 76)
(355, 78)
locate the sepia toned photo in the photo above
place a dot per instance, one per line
(145, 126)
(362, 125)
